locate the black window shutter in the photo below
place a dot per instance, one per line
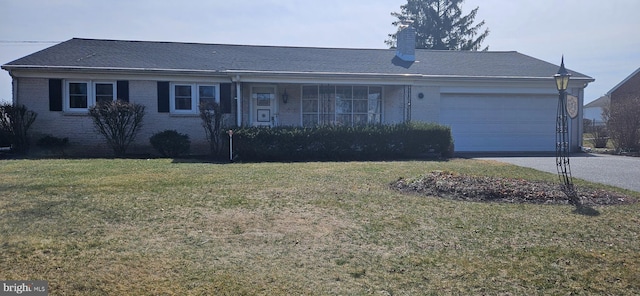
(123, 90)
(55, 94)
(163, 96)
(225, 97)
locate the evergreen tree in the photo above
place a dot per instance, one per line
(440, 25)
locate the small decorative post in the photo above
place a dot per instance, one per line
(230, 132)
(562, 136)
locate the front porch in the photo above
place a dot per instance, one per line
(308, 105)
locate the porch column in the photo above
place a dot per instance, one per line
(238, 102)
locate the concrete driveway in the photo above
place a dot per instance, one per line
(619, 171)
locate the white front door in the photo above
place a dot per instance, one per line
(263, 106)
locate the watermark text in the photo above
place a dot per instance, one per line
(24, 288)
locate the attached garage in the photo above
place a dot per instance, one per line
(500, 122)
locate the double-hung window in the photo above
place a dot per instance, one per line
(186, 98)
(80, 95)
(104, 91)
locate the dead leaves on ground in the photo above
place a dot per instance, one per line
(495, 189)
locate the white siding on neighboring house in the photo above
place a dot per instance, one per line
(593, 114)
(593, 110)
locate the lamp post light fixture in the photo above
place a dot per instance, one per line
(562, 136)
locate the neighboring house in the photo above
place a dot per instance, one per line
(593, 110)
(493, 101)
(630, 86)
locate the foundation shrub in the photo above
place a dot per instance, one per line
(340, 143)
(170, 143)
(53, 144)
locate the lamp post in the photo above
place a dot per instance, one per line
(562, 136)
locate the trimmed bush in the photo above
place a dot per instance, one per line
(53, 144)
(170, 143)
(369, 142)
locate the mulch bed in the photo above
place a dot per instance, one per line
(493, 189)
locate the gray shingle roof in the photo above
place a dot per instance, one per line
(602, 101)
(144, 55)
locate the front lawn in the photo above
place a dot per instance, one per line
(160, 227)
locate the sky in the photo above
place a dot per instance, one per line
(597, 38)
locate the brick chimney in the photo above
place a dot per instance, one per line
(406, 42)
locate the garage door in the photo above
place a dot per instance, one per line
(516, 123)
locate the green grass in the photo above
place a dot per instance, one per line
(155, 227)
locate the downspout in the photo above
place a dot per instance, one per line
(14, 89)
(408, 103)
(580, 120)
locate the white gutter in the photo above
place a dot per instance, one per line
(279, 73)
(14, 89)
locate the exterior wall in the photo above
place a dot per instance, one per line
(289, 113)
(84, 140)
(146, 93)
(34, 94)
(631, 86)
(427, 108)
(576, 124)
(394, 104)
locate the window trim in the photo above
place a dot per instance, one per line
(195, 97)
(91, 93)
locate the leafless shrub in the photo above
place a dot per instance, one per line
(600, 136)
(623, 122)
(211, 115)
(14, 124)
(119, 122)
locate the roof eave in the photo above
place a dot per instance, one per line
(622, 82)
(106, 69)
(307, 74)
